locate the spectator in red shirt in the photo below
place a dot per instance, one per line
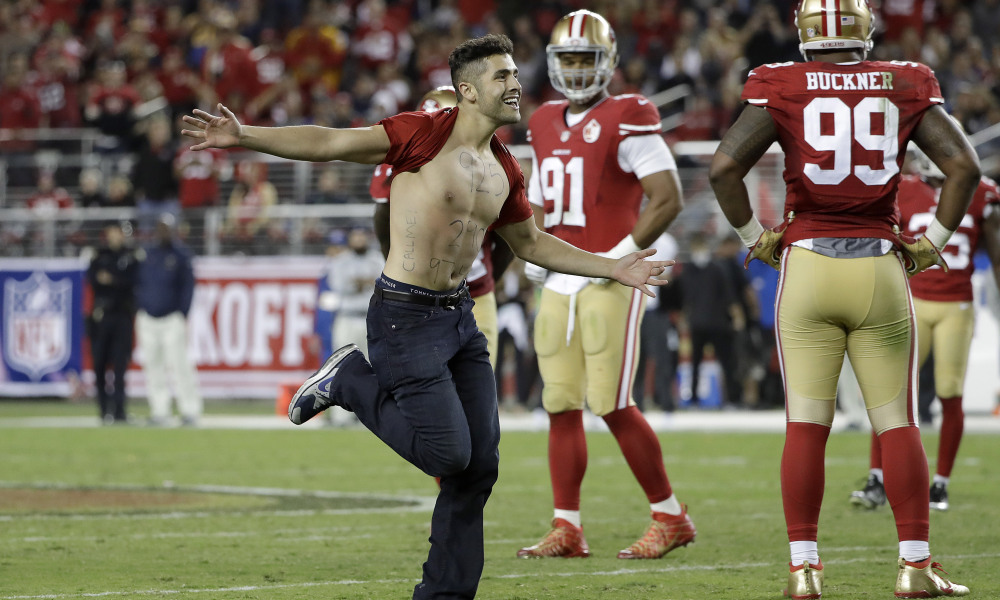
(55, 85)
(226, 64)
(19, 108)
(105, 25)
(378, 39)
(316, 51)
(198, 176)
(181, 86)
(49, 199)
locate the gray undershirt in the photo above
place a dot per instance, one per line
(846, 247)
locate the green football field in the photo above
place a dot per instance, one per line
(225, 514)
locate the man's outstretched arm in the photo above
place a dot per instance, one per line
(548, 251)
(311, 143)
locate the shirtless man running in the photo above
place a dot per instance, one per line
(429, 391)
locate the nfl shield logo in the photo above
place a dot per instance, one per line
(36, 320)
(591, 131)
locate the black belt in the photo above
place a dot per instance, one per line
(448, 301)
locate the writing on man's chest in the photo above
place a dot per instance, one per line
(485, 177)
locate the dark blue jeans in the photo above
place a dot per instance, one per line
(429, 394)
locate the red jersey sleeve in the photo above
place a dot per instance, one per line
(416, 137)
(639, 117)
(516, 208)
(758, 87)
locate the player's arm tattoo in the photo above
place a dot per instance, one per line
(749, 137)
(410, 241)
(937, 137)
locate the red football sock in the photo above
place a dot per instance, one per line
(952, 425)
(641, 449)
(875, 460)
(567, 458)
(904, 474)
(803, 478)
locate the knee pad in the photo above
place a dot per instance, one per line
(550, 334)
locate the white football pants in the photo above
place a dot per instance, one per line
(163, 341)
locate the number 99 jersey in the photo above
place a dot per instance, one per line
(844, 130)
(590, 201)
(917, 206)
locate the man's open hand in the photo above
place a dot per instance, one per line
(214, 132)
(633, 270)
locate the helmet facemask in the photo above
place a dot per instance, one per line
(580, 85)
(587, 33)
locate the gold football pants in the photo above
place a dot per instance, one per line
(862, 305)
(587, 345)
(945, 327)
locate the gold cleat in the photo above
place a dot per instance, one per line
(805, 582)
(919, 580)
(564, 540)
(665, 533)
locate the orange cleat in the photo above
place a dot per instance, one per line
(665, 533)
(564, 540)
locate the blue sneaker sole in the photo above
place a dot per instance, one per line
(303, 404)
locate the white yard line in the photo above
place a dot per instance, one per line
(505, 576)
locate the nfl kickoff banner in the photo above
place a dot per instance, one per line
(250, 328)
(41, 326)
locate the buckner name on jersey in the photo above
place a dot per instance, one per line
(879, 80)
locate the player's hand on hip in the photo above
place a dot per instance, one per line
(919, 254)
(767, 249)
(214, 132)
(633, 270)
(535, 274)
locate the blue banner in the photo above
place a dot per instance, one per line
(41, 303)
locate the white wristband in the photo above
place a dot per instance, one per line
(626, 246)
(750, 232)
(938, 234)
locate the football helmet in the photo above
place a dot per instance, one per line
(582, 31)
(438, 98)
(834, 25)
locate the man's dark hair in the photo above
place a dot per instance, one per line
(467, 61)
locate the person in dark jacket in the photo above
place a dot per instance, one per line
(112, 276)
(166, 287)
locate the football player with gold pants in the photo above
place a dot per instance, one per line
(844, 262)
(945, 307)
(595, 158)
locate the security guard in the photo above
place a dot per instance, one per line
(112, 275)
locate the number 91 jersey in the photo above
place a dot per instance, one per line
(590, 201)
(844, 130)
(917, 206)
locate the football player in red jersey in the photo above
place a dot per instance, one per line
(945, 313)
(844, 123)
(594, 156)
(493, 257)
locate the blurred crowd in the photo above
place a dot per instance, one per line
(112, 64)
